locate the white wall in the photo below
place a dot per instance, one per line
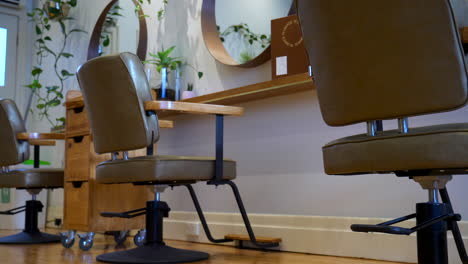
(128, 27)
(277, 143)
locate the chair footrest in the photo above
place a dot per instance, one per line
(129, 214)
(388, 227)
(14, 211)
(395, 230)
(247, 238)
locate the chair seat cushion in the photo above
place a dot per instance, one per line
(33, 178)
(162, 169)
(433, 147)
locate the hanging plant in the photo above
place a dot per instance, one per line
(161, 12)
(243, 30)
(51, 96)
(109, 24)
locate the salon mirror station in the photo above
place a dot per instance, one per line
(238, 33)
(121, 27)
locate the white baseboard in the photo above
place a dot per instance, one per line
(319, 235)
(307, 234)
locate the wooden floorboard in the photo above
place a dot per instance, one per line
(56, 254)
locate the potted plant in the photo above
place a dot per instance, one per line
(58, 9)
(189, 93)
(165, 65)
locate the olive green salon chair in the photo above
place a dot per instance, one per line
(115, 89)
(14, 151)
(381, 60)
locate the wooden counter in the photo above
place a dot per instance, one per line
(281, 86)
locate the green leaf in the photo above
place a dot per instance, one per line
(72, 3)
(49, 50)
(54, 103)
(40, 106)
(62, 26)
(38, 30)
(66, 55)
(47, 38)
(36, 84)
(47, 27)
(77, 30)
(36, 71)
(52, 88)
(106, 41)
(200, 75)
(66, 73)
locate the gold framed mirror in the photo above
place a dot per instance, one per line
(238, 33)
(115, 28)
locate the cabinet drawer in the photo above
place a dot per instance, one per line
(77, 205)
(77, 160)
(77, 122)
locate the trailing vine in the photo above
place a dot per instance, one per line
(109, 23)
(51, 96)
(161, 12)
(243, 30)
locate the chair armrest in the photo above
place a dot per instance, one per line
(170, 108)
(192, 108)
(37, 136)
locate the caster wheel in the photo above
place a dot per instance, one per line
(86, 241)
(86, 244)
(66, 242)
(140, 237)
(67, 239)
(121, 237)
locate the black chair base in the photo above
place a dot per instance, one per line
(153, 254)
(31, 233)
(30, 238)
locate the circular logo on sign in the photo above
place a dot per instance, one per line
(291, 26)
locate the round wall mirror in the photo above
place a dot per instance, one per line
(238, 33)
(119, 29)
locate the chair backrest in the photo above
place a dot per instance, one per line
(12, 151)
(115, 88)
(383, 59)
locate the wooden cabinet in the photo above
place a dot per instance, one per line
(84, 198)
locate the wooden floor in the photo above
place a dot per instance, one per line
(56, 254)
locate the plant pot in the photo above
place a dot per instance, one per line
(168, 96)
(188, 95)
(56, 10)
(164, 91)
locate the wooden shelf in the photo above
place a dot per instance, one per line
(282, 86)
